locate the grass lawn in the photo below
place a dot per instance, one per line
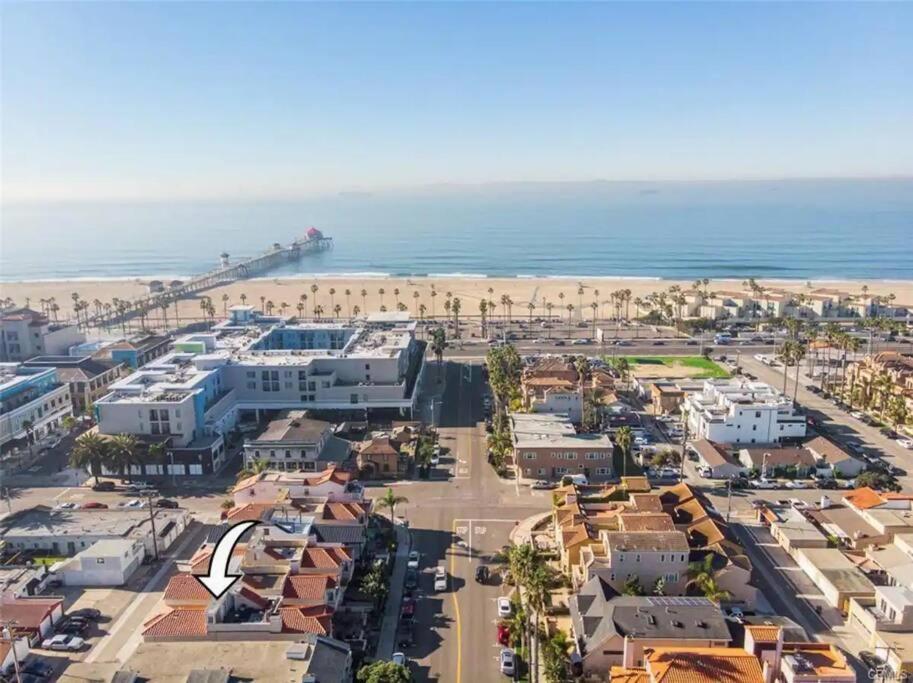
(48, 560)
(698, 366)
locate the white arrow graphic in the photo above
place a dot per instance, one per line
(218, 580)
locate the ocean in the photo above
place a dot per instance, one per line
(810, 230)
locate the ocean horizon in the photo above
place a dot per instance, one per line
(775, 230)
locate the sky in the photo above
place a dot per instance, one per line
(223, 100)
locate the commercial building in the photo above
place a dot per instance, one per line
(25, 333)
(87, 377)
(836, 577)
(294, 442)
(739, 411)
(135, 352)
(67, 532)
(33, 402)
(194, 396)
(34, 616)
(109, 562)
(549, 447)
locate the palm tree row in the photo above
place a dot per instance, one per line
(120, 453)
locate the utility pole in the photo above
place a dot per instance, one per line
(155, 545)
(728, 499)
(681, 474)
(8, 634)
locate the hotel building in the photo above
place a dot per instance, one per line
(31, 396)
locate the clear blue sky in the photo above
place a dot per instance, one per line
(221, 100)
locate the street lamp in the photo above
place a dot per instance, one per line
(7, 634)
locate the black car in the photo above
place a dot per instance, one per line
(85, 613)
(411, 582)
(72, 627)
(166, 503)
(406, 634)
(826, 484)
(104, 486)
(37, 667)
(870, 659)
(482, 574)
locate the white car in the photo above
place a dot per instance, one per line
(66, 506)
(796, 484)
(906, 443)
(435, 460)
(506, 662)
(799, 504)
(858, 414)
(399, 658)
(541, 485)
(505, 609)
(414, 559)
(763, 484)
(440, 579)
(133, 504)
(64, 643)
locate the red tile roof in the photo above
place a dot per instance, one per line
(323, 557)
(307, 586)
(251, 512)
(178, 623)
(344, 511)
(184, 587)
(318, 620)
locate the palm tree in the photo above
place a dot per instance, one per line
(300, 308)
(163, 305)
(799, 351)
(549, 306)
(381, 292)
(389, 501)
(483, 310)
(332, 292)
(243, 298)
(595, 307)
(438, 346)
(714, 593)
(355, 311)
(90, 452)
(254, 467)
(225, 300)
(29, 428)
(570, 312)
(348, 294)
(396, 295)
(314, 290)
(624, 437)
(455, 307)
(415, 297)
(364, 299)
(700, 572)
(123, 453)
(337, 309)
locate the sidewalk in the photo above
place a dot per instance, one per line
(386, 643)
(523, 532)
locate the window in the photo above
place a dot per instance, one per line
(99, 560)
(603, 471)
(195, 469)
(757, 413)
(251, 373)
(353, 398)
(529, 456)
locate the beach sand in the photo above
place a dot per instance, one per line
(559, 291)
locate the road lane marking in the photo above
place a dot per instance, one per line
(62, 493)
(456, 607)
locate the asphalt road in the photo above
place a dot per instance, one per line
(458, 522)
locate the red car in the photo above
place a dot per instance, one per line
(408, 608)
(94, 506)
(503, 634)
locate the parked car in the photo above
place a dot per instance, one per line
(406, 634)
(414, 559)
(85, 613)
(440, 579)
(399, 658)
(871, 660)
(93, 505)
(796, 484)
(167, 503)
(64, 643)
(132, 504)
(104, 486)
(542, 485)
(72, 627)
(506, 662)
(558, 342)
(407, 609)
(764, 484)
(906, 443)
(505, 608)
(435, 460)
(826, 484)
(503, 634)
(411, 581)
(67, 506)
(482, 573)
(138, 486)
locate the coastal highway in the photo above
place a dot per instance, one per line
(474, 349)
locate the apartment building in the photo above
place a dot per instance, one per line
(742, 411)
(548, 447)
(136, 351)
(25, 333)
(88, 378)
(33, 402)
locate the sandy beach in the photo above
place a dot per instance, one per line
(365, 293)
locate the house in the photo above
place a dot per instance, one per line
(617, 630)
(834, 575)
(108, 562)
(333, 484)
(694, 665)
(831, 456)
(324, 660)
(666, 397)
(380, 458)
(647, 556)
(136, 352)
(34, 616)
(294, 442)
(774, 460)
(714, 457)
(791, 529)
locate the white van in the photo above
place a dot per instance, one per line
(579, 479)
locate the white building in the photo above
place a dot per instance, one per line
(25, 333)
(109, 562)
(739, 411)
(250, 363)
(31, 396)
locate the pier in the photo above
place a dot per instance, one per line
(160, 292)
